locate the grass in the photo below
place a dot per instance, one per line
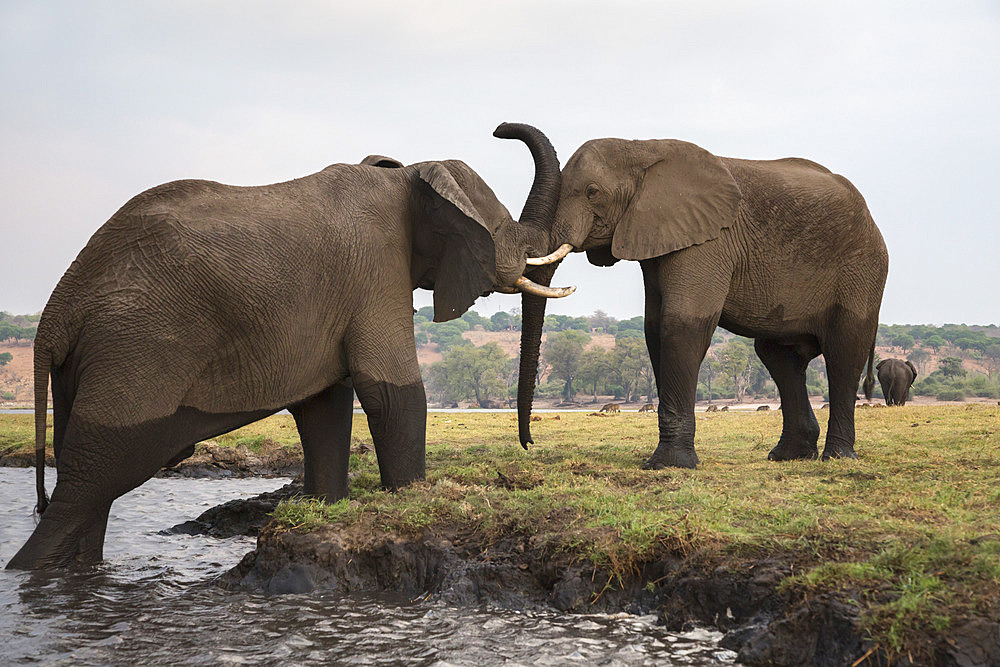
(910, 530)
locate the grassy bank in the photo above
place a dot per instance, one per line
(910, 532)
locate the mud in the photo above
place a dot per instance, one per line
(764, 626)
(209, 460)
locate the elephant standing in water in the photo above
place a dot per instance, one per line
(896, 378)
(783, 251)
(200, 307)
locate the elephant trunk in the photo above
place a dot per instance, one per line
(536, 225)
(532, 319)
(540, 207)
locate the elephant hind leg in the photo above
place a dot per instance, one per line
(787, 366)
(845, 347)
(100, 463)
(324, 422)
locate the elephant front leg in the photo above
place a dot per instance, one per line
(324, 422)
(397, 418)
(386, 376)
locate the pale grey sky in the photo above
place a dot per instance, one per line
(101, 100)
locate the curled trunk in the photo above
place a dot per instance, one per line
(538, 214)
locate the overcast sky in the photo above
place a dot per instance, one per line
(101, 100)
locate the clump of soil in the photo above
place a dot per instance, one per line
(245, 516)
(217, 461)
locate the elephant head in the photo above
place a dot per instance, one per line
(471, 245)
(629, 200)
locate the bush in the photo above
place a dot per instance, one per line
(8, 395)
(951, 395)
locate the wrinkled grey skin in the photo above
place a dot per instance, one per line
(783, 251)
(200, 307)
(896, 377)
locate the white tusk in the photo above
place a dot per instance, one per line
(525, 285)
(561, 251)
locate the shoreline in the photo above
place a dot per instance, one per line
(895, 553)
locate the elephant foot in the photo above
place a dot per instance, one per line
(787, 450)
(841, 452)
(671, 458)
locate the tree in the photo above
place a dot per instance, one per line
(600, 320)
(710, 369)
(596, 365)
(474, 319)
(468, 371)
(918, 357)
(564, 353)
(735, 360)
(447, 334)
(5, 358)
(992, 358)
(935, 342)
(951, 367)
(631, 359)
(501, 321)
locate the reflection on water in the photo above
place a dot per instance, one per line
(153, 601)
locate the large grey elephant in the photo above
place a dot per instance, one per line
(896, 377)
(200, 307)
(783, 251)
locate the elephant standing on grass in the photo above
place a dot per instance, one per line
(783, 251)
(200, 307)
(896, 378)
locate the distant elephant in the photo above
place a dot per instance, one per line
(200, 307)
(712, 408)
(763, 408)
(896, 377)
(649, 407)
(611, 407)
(724, 408)
(783, 251)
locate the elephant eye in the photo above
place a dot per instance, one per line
(592, 191)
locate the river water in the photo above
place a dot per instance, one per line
(153, 601)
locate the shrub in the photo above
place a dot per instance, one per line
(951, 395)
(8, 395)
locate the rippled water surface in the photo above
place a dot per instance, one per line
(153, 602)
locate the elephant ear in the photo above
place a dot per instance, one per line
(913, 369)
(686, 197)
(467, 263)
(382, 161)
(880, 364)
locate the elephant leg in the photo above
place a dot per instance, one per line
(683, 322)
(846, 350)
(787, 366)
(324, 422)
(383, 366)
(98, 464)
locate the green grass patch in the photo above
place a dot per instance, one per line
(910, 530)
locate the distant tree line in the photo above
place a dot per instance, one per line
(18, 327)
(572, 367)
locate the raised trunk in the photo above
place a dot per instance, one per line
(538, 213)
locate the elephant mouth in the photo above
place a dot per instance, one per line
(526, 285)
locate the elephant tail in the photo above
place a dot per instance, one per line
(43, 363)
(870, 377)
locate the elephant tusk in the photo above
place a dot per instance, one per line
(525, 285)
(561, 251)
(506, 290)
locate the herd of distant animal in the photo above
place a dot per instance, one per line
(172, 324)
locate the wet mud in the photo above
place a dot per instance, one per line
(763, 625)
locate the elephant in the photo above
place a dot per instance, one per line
(201, 307)
(649, 407)
(783, 251)
(896, 377)
(611, 407)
